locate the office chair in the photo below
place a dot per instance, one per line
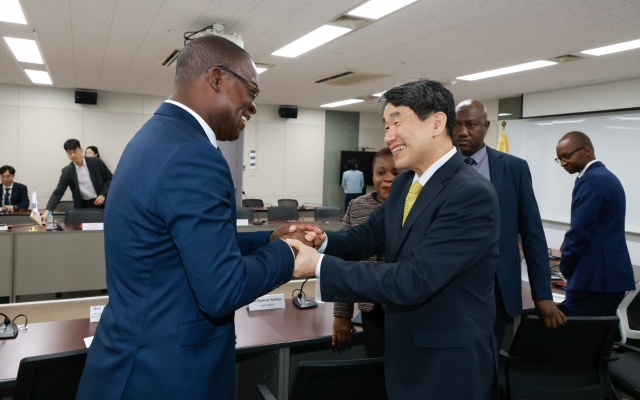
(65, 205)
(282, 212)
(244, 213)
(326, 212)
(624, 372)
(52, 377)
(565, 363)
(350, 379)
(83, 215)
(288, 203)
(252, 203)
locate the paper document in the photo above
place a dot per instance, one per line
(87, 341)
(558, 298)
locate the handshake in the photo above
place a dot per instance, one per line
(304, 239)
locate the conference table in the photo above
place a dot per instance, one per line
(304, 211)
(269, 345)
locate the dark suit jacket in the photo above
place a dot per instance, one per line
(437, 284)
(175, 269)
(100, 177)
(595, 256)
(519, 214)
(19, 196)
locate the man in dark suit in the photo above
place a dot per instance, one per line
(519, 214)
(88, 178)
(441, 247)
(595, 259)
(176, 268)
(14, 194)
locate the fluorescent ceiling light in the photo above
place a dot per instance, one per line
(41, 77)
(10, 11)
(320, 36)
(375, 9)
(503, 114)
(342, 103)
(614, 48)
(260, 70)
(25, 50)
(507, 70)
(378, 94)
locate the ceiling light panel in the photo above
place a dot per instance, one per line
(376, 9)
(342, 103)
(378, 94)
(39, 77)
(614, 48)
(10, 11)
(507, 70)
(25, 50)
(320, 36)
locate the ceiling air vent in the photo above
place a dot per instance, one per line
(170, 57)
(566, 58)
(348, 77)
(347, 21)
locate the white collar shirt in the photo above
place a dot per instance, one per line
(87, 191)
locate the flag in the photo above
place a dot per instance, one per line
(35, 213)
(503, 143)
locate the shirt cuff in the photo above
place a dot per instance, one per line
(318, 265)
(324, 246)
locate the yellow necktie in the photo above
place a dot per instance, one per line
(414, 191)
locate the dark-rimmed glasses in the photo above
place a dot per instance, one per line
(253, 89)
(567, 157)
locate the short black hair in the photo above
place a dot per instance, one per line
(424, 97)
(94, 149)
(6, 168)
(72, 144)
(200, 54)
(352, 163)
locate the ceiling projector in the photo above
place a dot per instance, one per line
(217, 30)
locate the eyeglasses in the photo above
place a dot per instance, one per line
(253, 89)
(567, 157)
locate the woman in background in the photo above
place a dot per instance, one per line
(358, 211)
(352, 182)
(92, 151)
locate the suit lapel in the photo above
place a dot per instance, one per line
(395, 213)
(172, 110)
(496, 168)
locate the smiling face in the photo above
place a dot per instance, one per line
(384, 172)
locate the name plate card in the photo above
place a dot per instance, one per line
(93, 226)
(268, 302)
(95, 312)
(242, 222)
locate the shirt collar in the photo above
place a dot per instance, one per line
(424, 178)
(10, 187)
(207, 129)
(84, 163)
(479, 155)
(586, 167)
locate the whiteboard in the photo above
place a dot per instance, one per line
(616, 141)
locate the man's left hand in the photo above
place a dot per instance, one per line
(307, 233)
(551, 315)
(99, 201)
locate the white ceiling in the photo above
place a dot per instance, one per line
(116, 45)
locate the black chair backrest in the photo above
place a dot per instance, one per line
(52, 377)
(326, 212)
(288, 203)
(568, 362)
(282, 212)
(65, 205)
(252, 203)
(244, 213)
(344, 379)
(82, 215)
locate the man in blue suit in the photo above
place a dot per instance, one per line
(519, 214)
(441, 247)
(14, 194)
(176, 269)
(595, 259)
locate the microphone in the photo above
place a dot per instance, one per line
(258, 222)
(301, 301)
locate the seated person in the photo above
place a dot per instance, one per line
(14, 194)
(92, 151)
(358, 211)
(88, 178)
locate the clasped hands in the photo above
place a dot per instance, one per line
(304, 239)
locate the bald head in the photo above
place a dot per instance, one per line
(199, 55)
(471, 126)
(577, 138)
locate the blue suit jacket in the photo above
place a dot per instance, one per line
(19, 196)
(595, 257)
(437, 284)
(519, 214)
(175, 269)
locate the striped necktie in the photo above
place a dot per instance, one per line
(414, 191)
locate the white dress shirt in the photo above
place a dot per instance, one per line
(586, 167)
(87, 191)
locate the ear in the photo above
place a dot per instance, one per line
(213, 78)
(439, 123)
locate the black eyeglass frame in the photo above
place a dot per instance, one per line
(567, 157)
(255, 91)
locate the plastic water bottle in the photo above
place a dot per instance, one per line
(50, 223)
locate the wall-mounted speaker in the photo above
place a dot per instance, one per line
(86, 97)
(288, 111)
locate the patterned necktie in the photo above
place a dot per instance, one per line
(414, 191)
(6, 196)
(469, 161)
